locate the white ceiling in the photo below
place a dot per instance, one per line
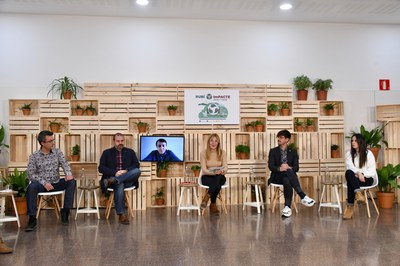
(337, 11)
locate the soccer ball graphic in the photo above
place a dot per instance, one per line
(213, 109)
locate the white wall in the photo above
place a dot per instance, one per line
(36, 49)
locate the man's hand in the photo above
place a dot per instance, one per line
(284, 167)
(121, 172)
(48, 186)
(69, 177)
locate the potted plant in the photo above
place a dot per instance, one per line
(90, 109)
(142, 126)
(162, 169)
(243, 151)
(292, 146)
(172, 109)
(272, 109)
(18, 182)
(302, 84)
(79, 110)
(2, 136)
(196, 169)
(298, 124)
(249, 127)
(329, 108)
(259, 125)
(321, 87)
(76, 152)
(310, 124)
(284, 108)
(65, 87)
(26, 108)
(335, 153)
(55, 126)
(159, 196)
(387, 177)
(373, 139)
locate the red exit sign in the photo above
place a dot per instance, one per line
(384, 85)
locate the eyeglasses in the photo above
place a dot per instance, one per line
(50, 141)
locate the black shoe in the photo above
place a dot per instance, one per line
(31, 224)
(109, 182)
(64, 216)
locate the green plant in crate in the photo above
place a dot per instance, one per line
(2, 136)
(309, 122)
(26, 106)
(63, 87)
(329, 106)
(172, 107)
(18, 181)
(298, 122)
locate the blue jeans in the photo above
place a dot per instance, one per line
(34, 188)
(124, 181)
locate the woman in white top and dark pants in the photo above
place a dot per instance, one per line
(361, 171)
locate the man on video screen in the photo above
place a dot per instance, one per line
(162, 154)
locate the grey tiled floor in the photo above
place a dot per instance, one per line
(159, 237)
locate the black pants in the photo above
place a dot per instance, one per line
(290, 181)
(354, 184)
(214, 182)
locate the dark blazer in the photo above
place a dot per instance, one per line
(274, 162)
(108, 162)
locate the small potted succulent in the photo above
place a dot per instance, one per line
(302, 84)
(284, 108)
(196, 169)
(90, 110)
(310, 125)
(142, 127)
(159, 196)
(249, 127)
(55, 126)
(172, 109)
(243, 151)
(26, 108)
(272, 109)
(329, 108)
(162, 169)
(298, 124)
(335, 153)
(79, 110)
(76, 152)
(259, 126)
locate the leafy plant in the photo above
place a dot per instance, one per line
(334, 147)
(322, 85)
(302, 82)
(329, 106)
(159, 193)
(162, 166)
(55, 122)
(258, 122)
(297, 122)
(18, 181)
(372, 138)
(292, 146)
(90, 107)
(76, 150)
(283, 105)
(272, 107)
(79, 107)
(309, 122)
(2, 136)
(172, 107)
(195, 167)
(387, 176)
(249, 124)
(141, 124)
(62, 85)
(26, 106)
(242, 149)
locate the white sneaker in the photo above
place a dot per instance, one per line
(287, 212)
(307, 201)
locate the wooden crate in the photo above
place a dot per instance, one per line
(84, 124)
(279, 93)
(170, 124)
(388, 112)
(54, 108)
(277, 123)
(305, 108)
(113, 123)
(331, 123)
(307, 144)
(26, 124)
(253, 108)
(338, 109)
(114, 107)
(121, 91)
(14, 107)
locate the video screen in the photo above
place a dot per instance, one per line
(162, 148)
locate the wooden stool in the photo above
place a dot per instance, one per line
(334, 185)
(188, 187)
(3, 217)
(259, 197)
(45, 198)
(88, 209)
(278, 192)
(127, 200)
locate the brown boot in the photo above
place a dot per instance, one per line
(205, 201)
(214, 208)
(123, 219)
(4, 249)
(360, 197)
(348, 213)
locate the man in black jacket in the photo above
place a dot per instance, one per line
(120, 169)
(284, 163)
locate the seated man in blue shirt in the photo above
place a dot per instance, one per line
(162, 154)
(43, 172)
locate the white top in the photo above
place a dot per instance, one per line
(369, 168)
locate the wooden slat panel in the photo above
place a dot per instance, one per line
(26, 124)
(254, 107)
(84, 123)
(279, 92)
(388, 112)
(170, 124)
(305, 109)
(277, 123)
(120, 91)
(54, 108)
(143, 108)
(113, 124)
(331, 123)
(338, 109)
(307, 144)
(117, 107)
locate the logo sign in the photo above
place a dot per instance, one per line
(384, 85)
(212, 107)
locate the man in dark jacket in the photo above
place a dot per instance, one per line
(120, 169)
(284, 163)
